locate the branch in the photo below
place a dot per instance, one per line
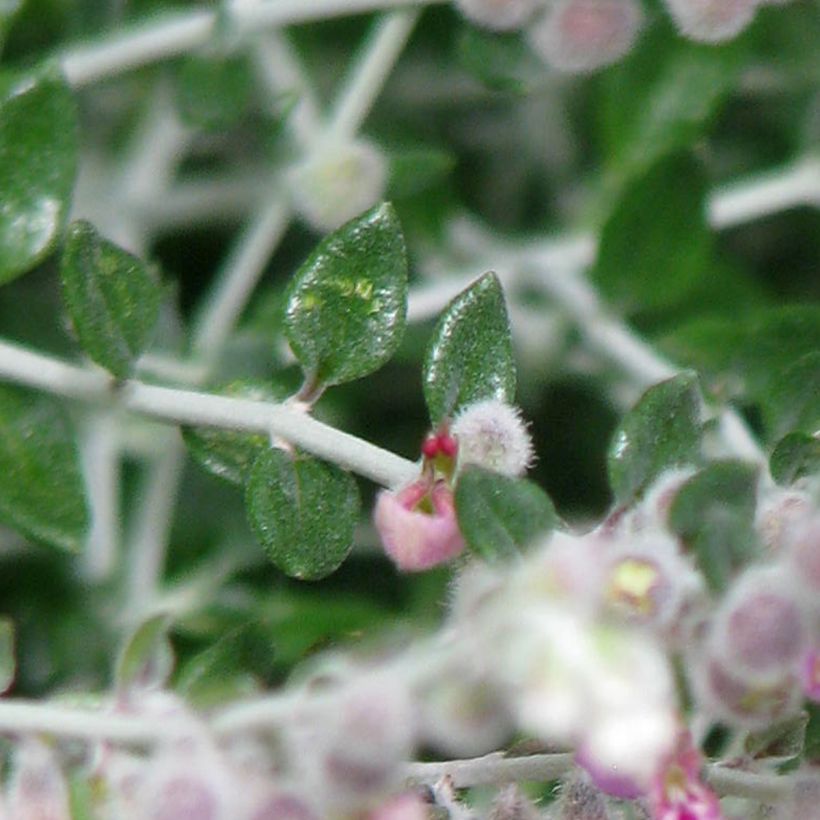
(187, 407)
(176, 34)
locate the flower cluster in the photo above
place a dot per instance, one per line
(585, 35)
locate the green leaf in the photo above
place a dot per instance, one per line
(229, 454)
(214, 90)
(747, 356)
(146, 659)
(714, 513)
(38, 163)
(662, 431)
(500, 517)
(113, 298)
(661, 98)
(655, 244)
(347, 303)
(8, 662)
(228, 669)
(303, 512)
(41, 488)
(502, 62)
(470, 356)
(414, 170)
(792, 402)
(796, 455)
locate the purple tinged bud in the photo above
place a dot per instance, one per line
(37, 789)
(760, 629)
(805, 556)
(608, 779)
(741, 703)
(418, 525)
(184, 797)
(281, 806)
(584, 35)
(711, 21)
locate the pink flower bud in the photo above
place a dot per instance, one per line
(760, 629)
(501, 15)
(418, 525)
(408, 806)
(710, 21)
(282, 806)
(37, 789)
(677, 792)
(584, 35)
(607, 779)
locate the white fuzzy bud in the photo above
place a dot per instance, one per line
(711, 21)
(492, 434)
(500, 15)
(585, 35)
(37, 787)
(338, 182)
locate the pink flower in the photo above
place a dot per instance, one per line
(677, 792)
(810, 675)
(407, 806)
(418, 525)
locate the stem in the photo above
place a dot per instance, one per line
(154, 517)
(491, 769)
(175, 34)
(195, 408)
(101, 468)
(240, 274)
(368, 76)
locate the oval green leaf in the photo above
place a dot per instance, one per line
(663, 430)
(42, 492)
(796, 455)
(346, 305)
(713, 513)
(470, 356)
(38, 163)
(303, 512)
(112, 297)
(146, 659)
(226, 453)
(499, 516)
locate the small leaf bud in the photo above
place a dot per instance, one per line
(415, 538)
(580, 800)
(492, 434)
(512, 804)
(711, 21)
(501, 15)
(585, 35)
(338, 182)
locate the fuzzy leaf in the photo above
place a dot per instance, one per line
(146, 659)
(303, 511)
(795, 456)
(655, 243)
(347, 303)
(41, 488)
(230, 454)
(470, 356)
(662, 430)
(500, 517)
(113, 298)
(714, 512)
(38, 163)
